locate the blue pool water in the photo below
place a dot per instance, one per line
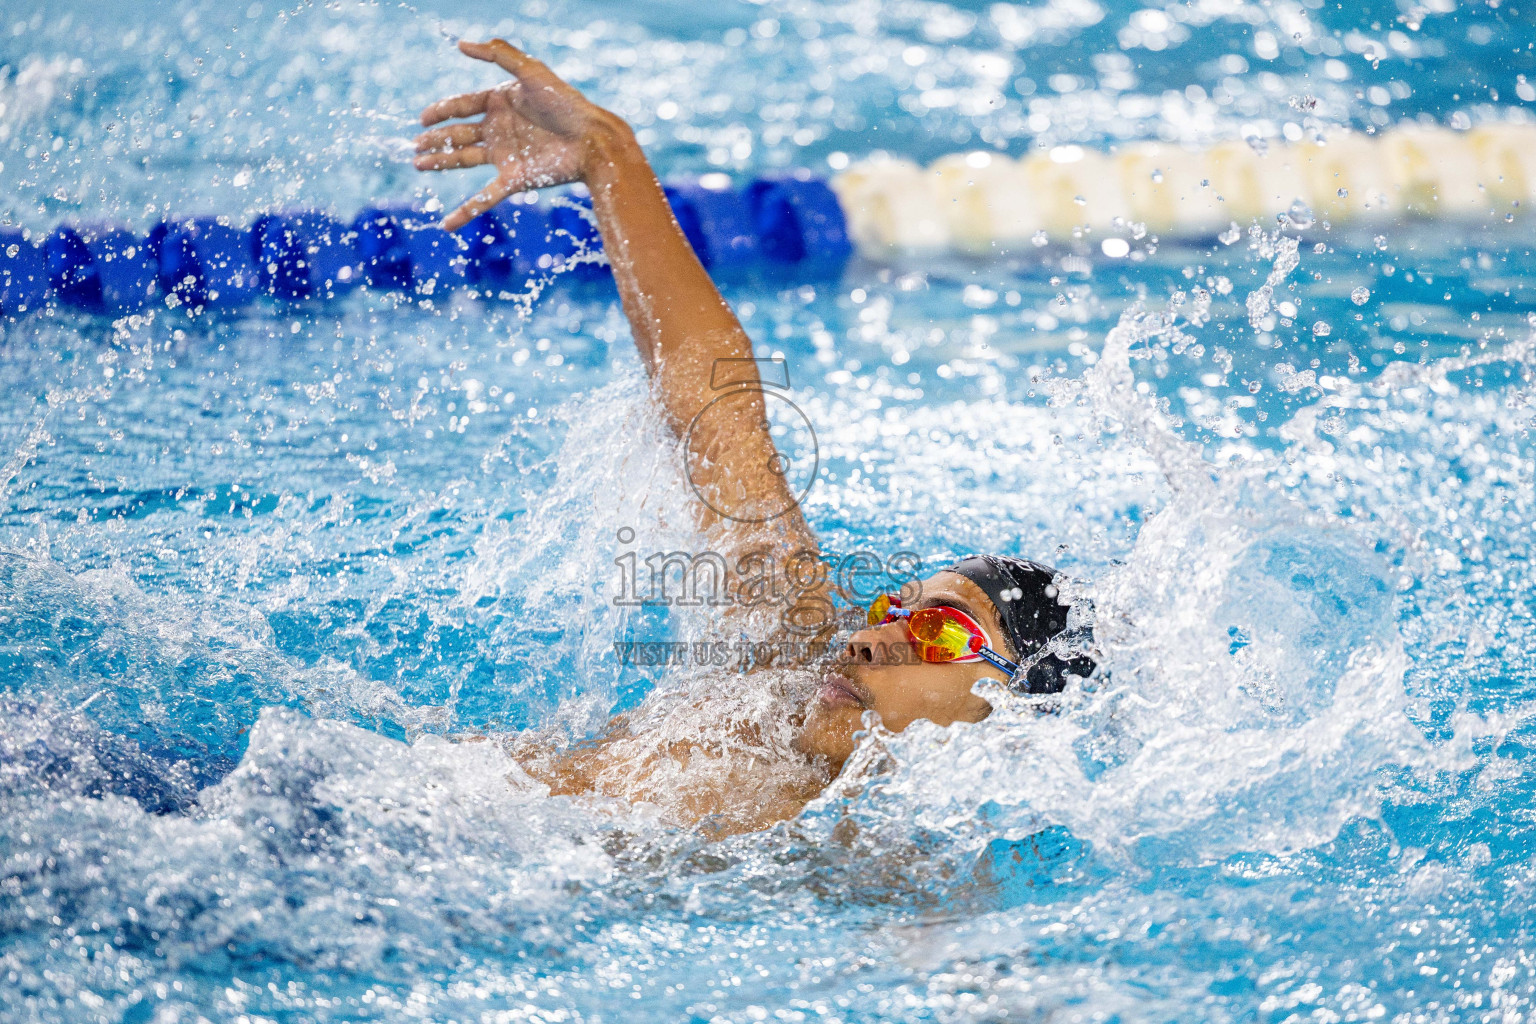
(255, 567)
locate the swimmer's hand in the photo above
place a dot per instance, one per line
(537, 131)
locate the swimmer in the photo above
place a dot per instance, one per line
(920, 651)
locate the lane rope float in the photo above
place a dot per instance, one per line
(795, 224)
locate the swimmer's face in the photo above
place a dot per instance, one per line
(878, 671)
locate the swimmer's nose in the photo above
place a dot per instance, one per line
(862, 647)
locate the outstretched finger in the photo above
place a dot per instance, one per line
(448, 137)
(470, 156)
(466, 105)
(510, 58)
(478, 203)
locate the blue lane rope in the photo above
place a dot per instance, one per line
(790, 223)
(23, 273)
(799, 222)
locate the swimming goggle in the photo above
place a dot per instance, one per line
(941, 635)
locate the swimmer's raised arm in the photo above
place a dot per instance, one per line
(538, 131)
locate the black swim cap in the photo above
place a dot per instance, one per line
(1024, 594)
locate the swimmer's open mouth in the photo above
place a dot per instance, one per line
(837, 690)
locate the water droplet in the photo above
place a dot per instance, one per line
(1253, 387)
(1509, 218)
(1381, 241)
(1231, 235)
(1322, 329)
(1157, 177)
(1343, 193)
(1040, 238)
(1360, 296)
(1080, 201)
(1300, 215)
